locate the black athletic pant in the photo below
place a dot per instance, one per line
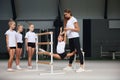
(74, 43)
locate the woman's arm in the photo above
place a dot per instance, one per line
(65, 37)
(76, 29)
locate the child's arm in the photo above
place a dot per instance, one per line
(60, 31)
(26, 43)
(7, 42)
(16, 40)
(65, 37)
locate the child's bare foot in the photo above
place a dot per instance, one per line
(41, 50)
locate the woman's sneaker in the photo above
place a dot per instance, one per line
(80, 70)
(68, 68)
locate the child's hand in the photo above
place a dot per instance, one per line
(60, 29)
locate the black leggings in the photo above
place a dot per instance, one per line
(74, 43)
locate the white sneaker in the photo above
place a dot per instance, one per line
(68, 68)
(80, 70)
(10, 70)
(42, 50)
(18, 67)
(29, 67)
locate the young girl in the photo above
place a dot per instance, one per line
(19, 45)
(11, 43)
(60, 47)
(30, 39)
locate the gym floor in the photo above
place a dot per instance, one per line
(94, 70)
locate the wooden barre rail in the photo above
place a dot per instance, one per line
(44, 43)
(45, 33)
(43, 62)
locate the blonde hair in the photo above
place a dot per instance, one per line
(18, 26)
(30, 24)
(11, 21)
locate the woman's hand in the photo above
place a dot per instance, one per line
(75, 29)
(66, 29)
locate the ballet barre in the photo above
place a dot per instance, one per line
(51, 51)
(44, 43)
(45, 33)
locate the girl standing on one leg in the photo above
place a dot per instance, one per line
(72, 28)
(19, 45)
(30, 39)
(11, 43)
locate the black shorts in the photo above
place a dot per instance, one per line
(19, 45)
(62, 55)
(31, 45)
(12, 47)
